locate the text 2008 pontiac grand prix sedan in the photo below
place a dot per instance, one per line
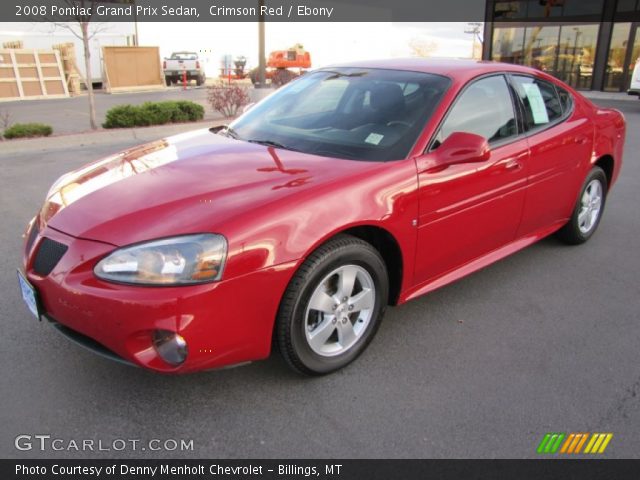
(351, 188)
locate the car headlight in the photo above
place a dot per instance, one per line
(180, 260)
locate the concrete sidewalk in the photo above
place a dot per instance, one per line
(102, 137)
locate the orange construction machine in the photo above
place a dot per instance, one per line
(281, 62)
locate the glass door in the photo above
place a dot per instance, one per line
(624, 50)
(633, 53)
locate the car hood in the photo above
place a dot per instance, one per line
(188, 183)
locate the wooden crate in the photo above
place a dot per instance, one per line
(31, 74)
(130, 69)
(70, 67)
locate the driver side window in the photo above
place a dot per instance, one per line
(484, 108)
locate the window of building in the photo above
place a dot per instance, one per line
(635, 54)
(484, 108)
(614, 74)
(504, 10)
(508, 45)
(537, 9)
(576, 54)
(541, 47)
(567, 52)
(627, 5)
(582, 7)
(544, 9)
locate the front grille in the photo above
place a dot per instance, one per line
(49, 254)
(33, 234)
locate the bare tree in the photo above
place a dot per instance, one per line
(421, 47)
(85, 30)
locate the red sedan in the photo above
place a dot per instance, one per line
(352, 188)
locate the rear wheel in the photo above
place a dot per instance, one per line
(588, 210)
(333, 306)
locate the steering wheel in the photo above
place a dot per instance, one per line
(398, 122)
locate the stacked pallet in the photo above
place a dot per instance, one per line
(16, 44)
(68, 56)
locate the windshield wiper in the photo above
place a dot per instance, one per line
(271, 143)
(341, 74)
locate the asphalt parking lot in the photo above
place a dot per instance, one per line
(544, 341)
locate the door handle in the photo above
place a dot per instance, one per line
(513, 164)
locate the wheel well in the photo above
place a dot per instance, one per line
(606, 163)
(389, 249)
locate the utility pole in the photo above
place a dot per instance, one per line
(261, 53)
(474, 29)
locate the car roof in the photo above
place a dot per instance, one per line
(449, 67)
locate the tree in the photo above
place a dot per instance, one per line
(85, 30)
(421, 47)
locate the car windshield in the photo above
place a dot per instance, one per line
(351, 113)
(184, 56)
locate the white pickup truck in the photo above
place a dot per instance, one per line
(634, 88)
(180, 62)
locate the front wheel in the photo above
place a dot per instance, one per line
(333, 306)
(588, 210)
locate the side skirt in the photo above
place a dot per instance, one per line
(478, 263)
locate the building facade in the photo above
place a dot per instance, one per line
(589, 44)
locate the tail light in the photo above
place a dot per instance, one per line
(197, 64)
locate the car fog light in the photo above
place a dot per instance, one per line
(170, 346)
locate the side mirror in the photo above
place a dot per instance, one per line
(462, 147)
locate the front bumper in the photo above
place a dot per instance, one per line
(224, 323)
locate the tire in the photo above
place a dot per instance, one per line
(199, 81)
(588, 210)
(319, 341)
(168, 81)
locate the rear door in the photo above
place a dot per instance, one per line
(468, 210)
(560, 139)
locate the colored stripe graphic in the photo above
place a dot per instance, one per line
(543, 443)
(598, 443)
(572, 443)
(581, 443)
(550, 443)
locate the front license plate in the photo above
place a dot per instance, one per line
(29, 295)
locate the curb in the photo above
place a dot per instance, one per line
(616, 96)
(102, 137)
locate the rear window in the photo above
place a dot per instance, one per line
(184, 56)
(566, 100)
(542, 104)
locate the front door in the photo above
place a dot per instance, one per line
(468, 210)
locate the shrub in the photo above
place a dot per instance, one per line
(227, 99)
(153, 113)
(28, 130)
